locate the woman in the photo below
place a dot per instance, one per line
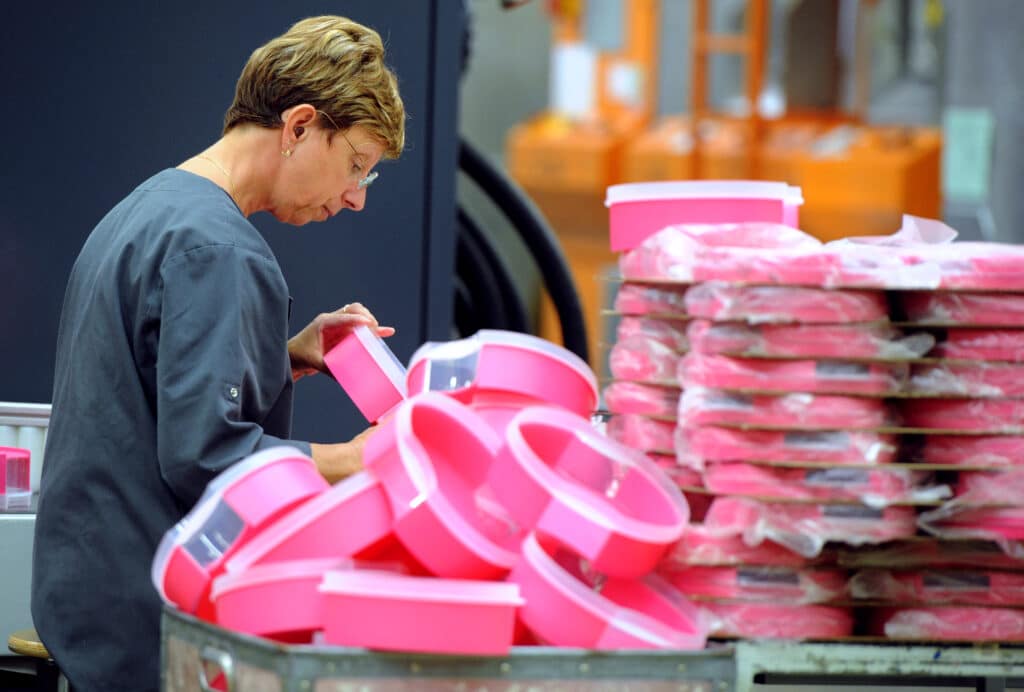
(173, 356)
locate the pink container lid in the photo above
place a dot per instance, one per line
(15, 478)
(235, 505)
(276, 599)
(563, 610)
(494, 362)
(381, 610)
(432, 458)
(340, 522)
(558, 475)
(638, 210)
(368, 371)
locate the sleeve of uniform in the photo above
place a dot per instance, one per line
(222, 362)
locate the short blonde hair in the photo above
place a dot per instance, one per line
(332, 63)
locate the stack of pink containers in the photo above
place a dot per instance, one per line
(829, 396)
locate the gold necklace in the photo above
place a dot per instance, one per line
(223, 170)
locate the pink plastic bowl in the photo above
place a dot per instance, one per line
(343, 521)
(394, 612)
(432, 457)
(639, 210)
(369, 373)
(558, 475)
(235, 506)
(498, 373)
(563, 610)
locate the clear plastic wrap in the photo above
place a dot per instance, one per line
(964, 309)
(968, 380)
(642, 399)
(720, 301)
(968, 415)
(982, 344)
(671, 333)
(807, 340)
(709, 545)
(951, 623)
(973, 450)
(641, 432)
(939, 586)
(813, 376)
(981, 266)
(761, 621)
(642, 359)
(703, 406)
(873, 487)
(974, 511)
(697, 446)
(806, 529)
(788, 585)
(991, 487)
(640, 299)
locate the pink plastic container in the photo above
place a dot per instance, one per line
(280, 600)
(350, 517)
(982, 344)
(433, 457)
(562, 609)
(760, 621)
(706, 545)
(964, 309)
(641, 359)
(369, 372)
(638, 210)
(498, 373)
(974, 450)
(697, 446)
(644, 434)
(967, 624)
(969, 379)
(721, 301)
(938, 586)
(556, 474)
(235, 506)
(776, 584)
(813, 376)
(974, 415)
(15, 478)
(701, 406)
(836, 483)
(394, 612)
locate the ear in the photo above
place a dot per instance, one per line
(296, 121)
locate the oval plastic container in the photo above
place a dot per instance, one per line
(638, 210)
(557, 475)
(369, 372)
(394, 612)
(235, 506)
(432, 458)
(350, 517)
(562, 609)
(498, 373)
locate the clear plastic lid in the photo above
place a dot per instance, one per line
(389, 363)
(703, 189)
(379, 584)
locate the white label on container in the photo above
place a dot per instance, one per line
(836, 477)
(851, 512)
(832, 440)
(833, 369)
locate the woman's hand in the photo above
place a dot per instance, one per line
(337, 462)
(307, 348)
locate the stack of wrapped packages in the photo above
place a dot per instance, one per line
(845, 417)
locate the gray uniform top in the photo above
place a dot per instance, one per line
(172, 365)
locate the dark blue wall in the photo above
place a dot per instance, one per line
(100, 95)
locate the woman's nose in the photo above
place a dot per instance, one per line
(354, 199)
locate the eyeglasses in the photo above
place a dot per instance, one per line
(366, 180)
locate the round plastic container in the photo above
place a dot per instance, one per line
(234, 507)
(561, 609)
(557, 475)
(394, 612)
(498, 373)
(369, 373)
(432, 458)
(350, 517)
(638, 210)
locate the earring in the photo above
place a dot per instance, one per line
(286, 153)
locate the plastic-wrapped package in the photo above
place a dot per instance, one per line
(703, 406)
(813, 376)
(641, 432)
(929, 553)
(697, 446)
(973, 450)
(968, 380)
(761, 621)
(964, 309)
(982, 344)
(788, 585)
(807, 340)
(874, 487)
(991, 487)
(720, 301)
(641, 299)
(806, 528)
(982, 266)
(951, 623)
(642, 399)
(718, 545)
(986, 506)
(641, 359)
(937, 586)
(974, 415)
(671, 333)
